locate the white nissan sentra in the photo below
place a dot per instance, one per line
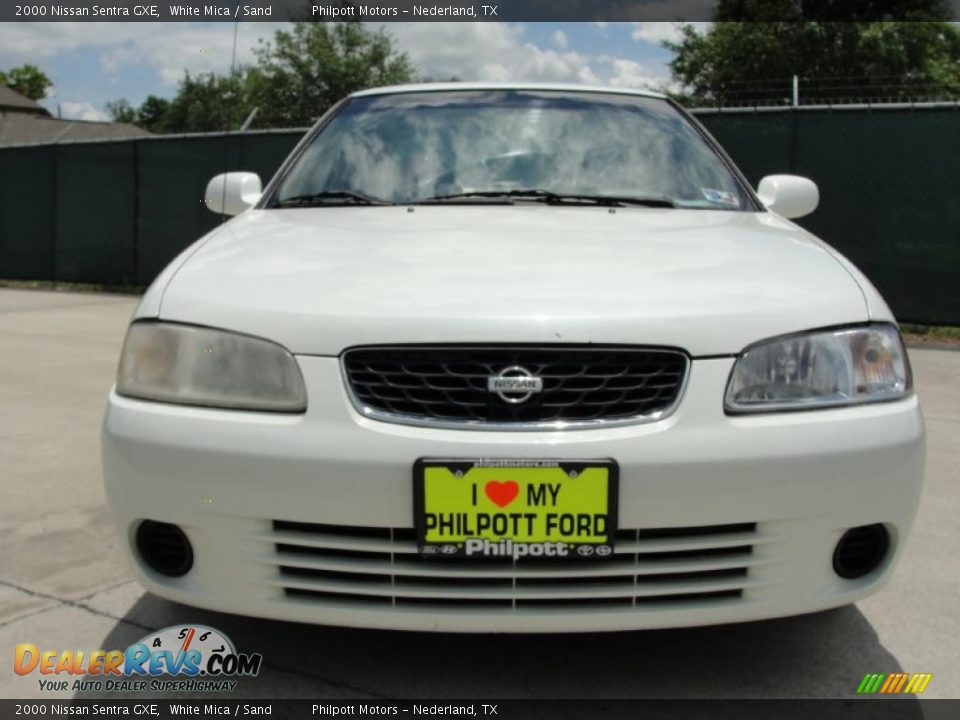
(512, 358)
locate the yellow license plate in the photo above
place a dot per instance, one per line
(515, 509)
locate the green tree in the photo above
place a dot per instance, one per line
(205, 103)
(152, 113)
(121, 111)
(295, 79)
(308, 68)
(855, 49)
(28, 80)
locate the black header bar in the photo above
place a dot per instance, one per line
(359, 10)
(203, 708)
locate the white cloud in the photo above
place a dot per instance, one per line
(168, 48)
(488, 51)
(500, 52)
(631, 74)
(657, 32)
(469, 51)
(187, 47)
(81, 111)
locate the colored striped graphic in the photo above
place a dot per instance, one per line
(894, 683)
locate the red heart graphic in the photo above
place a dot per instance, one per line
(502, 493)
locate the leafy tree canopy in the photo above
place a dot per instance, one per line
(854, 49)
(204, 103)
(294, 80)
(28, 80)
(306, 70)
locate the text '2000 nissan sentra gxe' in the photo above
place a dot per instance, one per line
(512, 358)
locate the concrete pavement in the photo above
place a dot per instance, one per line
(63, 582)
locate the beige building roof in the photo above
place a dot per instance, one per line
(12, 101)
(24, 122)
(22, 128)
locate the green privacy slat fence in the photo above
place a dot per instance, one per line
(889, 191)
(116, 212)
(27, 225)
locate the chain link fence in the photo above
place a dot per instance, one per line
(800, 91)
(115, 212)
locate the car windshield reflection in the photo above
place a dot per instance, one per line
(412, 147)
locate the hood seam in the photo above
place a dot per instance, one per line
(189, 254)
(839, 259)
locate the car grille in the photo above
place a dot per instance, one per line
(580, 385)
(338, 565)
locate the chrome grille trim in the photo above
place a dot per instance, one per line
(365, 408)
(331, 564)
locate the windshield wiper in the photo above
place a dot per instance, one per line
(555, 198)
(660, 201)
(330, 197)
(501, 195)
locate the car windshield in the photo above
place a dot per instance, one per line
(490, 145)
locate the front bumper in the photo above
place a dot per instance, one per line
(308, 517)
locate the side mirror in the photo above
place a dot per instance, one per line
(791, 196)
(233, 192)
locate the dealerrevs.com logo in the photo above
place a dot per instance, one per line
(201, 658)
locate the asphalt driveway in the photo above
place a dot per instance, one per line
(63, 582)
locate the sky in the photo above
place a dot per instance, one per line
(93, 63)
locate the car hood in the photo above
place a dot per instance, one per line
(324, 279)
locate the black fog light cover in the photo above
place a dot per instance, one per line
(164, 548)
(860, 551)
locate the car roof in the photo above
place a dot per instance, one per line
(454, 86)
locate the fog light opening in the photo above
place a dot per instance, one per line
(164, 548)
(860, 551)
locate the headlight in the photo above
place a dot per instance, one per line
(198, 366)
(820, 369)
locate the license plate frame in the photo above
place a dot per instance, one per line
(593, 482)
